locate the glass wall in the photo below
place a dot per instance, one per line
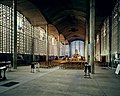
(6, 29)
(77, 47)
(29, 39)
(116, 31)
(24, 32)
(39, 41)
(105, 37)
(24, 35)
(61, 49)
(52, 46)
(67, 50)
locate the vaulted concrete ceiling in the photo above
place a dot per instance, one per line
(68, 16)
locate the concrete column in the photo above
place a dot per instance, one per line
(75, 47)
(47, 44)
(110, 37)
(15, 33)
(58, 46)
(69, 49)
(79, 48)
(64, 48)
(86, 43)
(92, 33)
(33, 46)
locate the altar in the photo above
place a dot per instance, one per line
(76, 56)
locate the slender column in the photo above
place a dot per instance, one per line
(92, 33)
(33, 44)
(69, 49)
(79, 48)
(15, 33)
(58, 46)
(75, 47)
(47, 45)
(86, 43)
(64, 48)
(110, 34)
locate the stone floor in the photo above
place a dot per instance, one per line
(61, 82)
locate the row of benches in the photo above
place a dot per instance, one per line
(36, 65)
(62, 65)
(72, 65)
(49, 64)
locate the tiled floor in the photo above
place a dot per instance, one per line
(60, 82)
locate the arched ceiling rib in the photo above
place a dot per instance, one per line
(53, 31)
(67, 13)
(29, 10)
